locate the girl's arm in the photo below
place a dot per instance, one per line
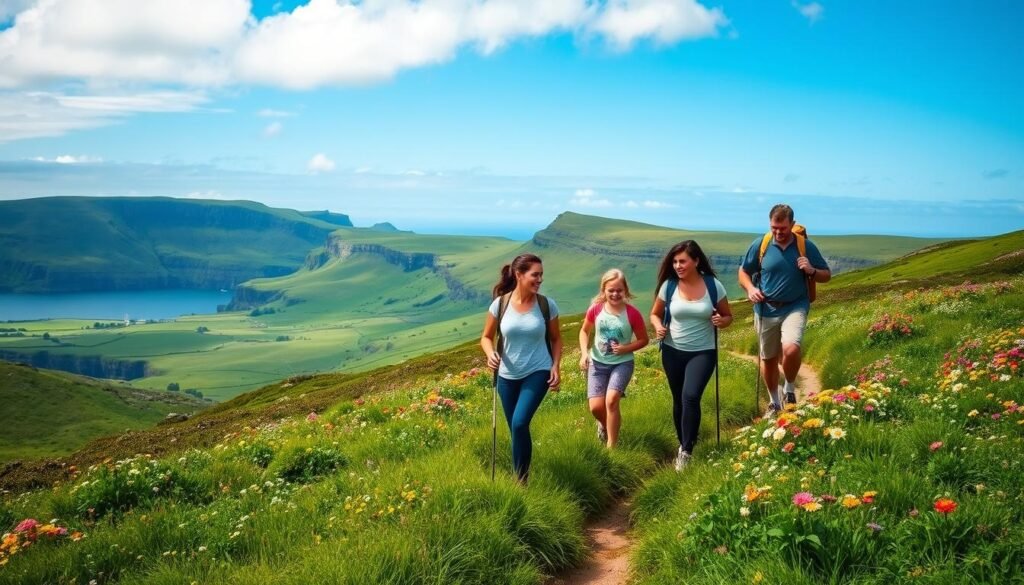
(555, 333)
(487, 341)
(585, 343)
(636, 322)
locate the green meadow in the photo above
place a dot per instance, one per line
(51, 414)
(906, 468)
(359, 307)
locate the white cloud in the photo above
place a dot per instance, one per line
(624, 22)
(590, 202)
(271, 113)
(40, 114)
(322, 42)
(320, 164)
(812, 11)
(70, 159)
(273, 129)
(585, 192)
(651, 204)
(632, 204)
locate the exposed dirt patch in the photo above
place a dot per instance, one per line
(609, 551)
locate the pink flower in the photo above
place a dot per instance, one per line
(869, 408)
(839, 397)
(312, 417)
(995, 416)
(26, 525)
(935, 446)
(788, 447)
(802, 498)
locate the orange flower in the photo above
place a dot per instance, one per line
(945, 506)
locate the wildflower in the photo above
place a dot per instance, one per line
(935, 446)
(850, 501)
(813, 423)
(973, 413)
(875, 527)
(811, 506)
(26, 525)
(828, 498)
(913, 513)
(312, 417)
(744, 511)
(801, 498)
(945, 506)
(788, 447)
(868, 497)
(779, 434)
(835, 433)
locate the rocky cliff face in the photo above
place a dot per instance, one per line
(92, 366)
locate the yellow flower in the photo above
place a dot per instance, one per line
(758, 577)
(973, 413)
(811, 506)
(813, 423)
(850, 501)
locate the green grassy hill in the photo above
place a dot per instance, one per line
(49, 414)
(71, 244)
(366, 297)
(907, 469)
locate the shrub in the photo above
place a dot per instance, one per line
(890, 328)
(304, 465)
(117, 488)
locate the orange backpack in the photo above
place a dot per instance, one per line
(800, 232)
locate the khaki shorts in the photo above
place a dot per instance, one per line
(779, 331)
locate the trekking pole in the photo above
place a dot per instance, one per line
(494, 424)
(718, 409)
(757, 374)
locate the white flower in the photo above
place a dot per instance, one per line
(744, 511)
(779, 434)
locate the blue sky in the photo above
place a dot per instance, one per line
(493, 116)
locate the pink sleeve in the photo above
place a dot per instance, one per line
(593, 312)
(636, 320)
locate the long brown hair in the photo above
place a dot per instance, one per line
(507, 279)
(692, 250)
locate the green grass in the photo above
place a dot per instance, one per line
(409, 501)
(49, 414)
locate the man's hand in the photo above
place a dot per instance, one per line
(755, 295)
(804, 264)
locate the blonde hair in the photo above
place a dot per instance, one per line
(613, 274)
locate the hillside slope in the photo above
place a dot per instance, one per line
(48, 414)
(72, 244)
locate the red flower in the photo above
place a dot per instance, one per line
(944, 506)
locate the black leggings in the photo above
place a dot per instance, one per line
(688, 373)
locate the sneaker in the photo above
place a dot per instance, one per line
(790, 397)
(602, 433)
(682, 460)
(773, 410)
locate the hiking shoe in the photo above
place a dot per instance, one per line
(682, 460)
(773, 410)
(790, 397)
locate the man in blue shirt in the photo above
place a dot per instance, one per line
(780, 299)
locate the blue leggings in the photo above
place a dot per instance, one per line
(688, 373)
(520, 400)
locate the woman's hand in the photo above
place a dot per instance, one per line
(584, 361)
(660, 331)
(554, 380)
(493, 360)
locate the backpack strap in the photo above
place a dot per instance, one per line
(709, 283)
(670, 291)
(545, 311)
(503, 302)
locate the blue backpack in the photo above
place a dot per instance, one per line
(709, 282)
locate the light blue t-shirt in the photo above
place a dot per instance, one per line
(524, 351)
(690, 328)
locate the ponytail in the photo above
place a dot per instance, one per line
(507, 275)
